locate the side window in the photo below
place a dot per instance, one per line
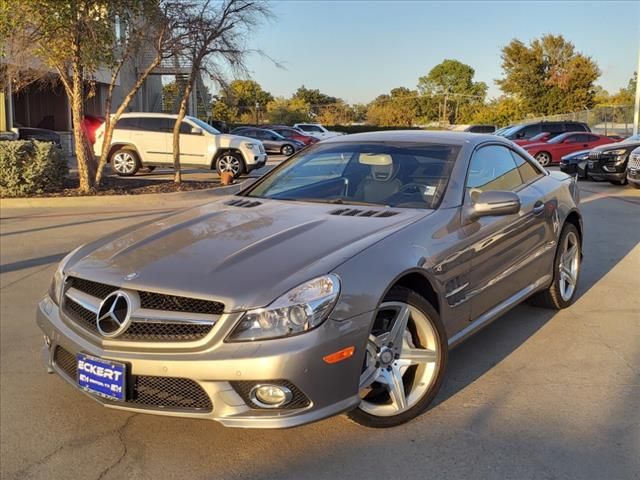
(185, 128)
(591, 138)
(493, 168)
(573, 138)
(530, 131)
(127, 123)
(156, 124)
(554, 128)
(527, 171)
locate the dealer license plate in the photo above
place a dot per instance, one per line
(101, 377)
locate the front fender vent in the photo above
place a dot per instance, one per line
(355, 212)
(243, 203)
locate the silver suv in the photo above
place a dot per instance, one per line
(145, 140)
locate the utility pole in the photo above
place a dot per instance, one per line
(636, 110)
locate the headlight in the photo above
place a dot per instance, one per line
(301, 309)
(249, 145)
(55, 289)
(620, 151)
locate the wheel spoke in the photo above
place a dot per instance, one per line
(368, 376)
(399, 325)
(567, 275)
(393, 381)
(418, 355)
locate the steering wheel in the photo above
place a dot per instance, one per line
(410, 188)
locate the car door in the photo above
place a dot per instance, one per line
(152, 139)
(267, 140)
(193, 145)
(571, 143)
(504, 248)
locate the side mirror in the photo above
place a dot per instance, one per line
(484, 204)
(196, 131)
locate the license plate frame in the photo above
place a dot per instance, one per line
(101, 377)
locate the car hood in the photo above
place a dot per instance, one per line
(230, 140)
(244, 256)
(617, 146)
(575, 156)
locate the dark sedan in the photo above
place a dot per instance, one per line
(273, 142)
(39, 134)
(609, 162)
(576, 163)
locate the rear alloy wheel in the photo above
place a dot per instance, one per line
(125, 163)
(543, 158)
(566, 272)
(230, 162)
(404, 362)
(287, 150)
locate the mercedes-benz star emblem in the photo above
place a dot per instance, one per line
(114, 314)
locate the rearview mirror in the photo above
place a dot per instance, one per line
(484, 204)
(196, 131)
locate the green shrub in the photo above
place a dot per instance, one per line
(30, 167)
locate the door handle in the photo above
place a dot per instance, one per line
(538, 208)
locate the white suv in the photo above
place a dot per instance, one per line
(316, 130)
(145, 140)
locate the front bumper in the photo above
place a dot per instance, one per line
(569, 168)
(633, 176)
(216, 367)
(261, 161)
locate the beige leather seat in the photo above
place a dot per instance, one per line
(379, 185)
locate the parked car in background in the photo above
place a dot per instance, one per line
(273, 142)
(541, 137)
(576, 164)
(316, 130)
(338, 282)
(219, 125)
(145, 140)
(474, 128)
(528, 130)
(633, 168)
(552, 151)
(609, 162)
(39, 134)
(293, 133)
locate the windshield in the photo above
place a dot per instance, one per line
(204, 126)
(559, 138)
(409, 175)
(506, 132)
(633, 138)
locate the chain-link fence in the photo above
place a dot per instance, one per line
(608, 120)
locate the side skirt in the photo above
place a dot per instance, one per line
(497, 311)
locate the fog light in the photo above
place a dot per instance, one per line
(270, 396)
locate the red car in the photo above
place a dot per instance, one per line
(293, 133)
(564, 144)
(541, 137)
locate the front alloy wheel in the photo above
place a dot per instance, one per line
(229, 162)
(125, 163)
(404, 361)
(543, 158)
(287, 150)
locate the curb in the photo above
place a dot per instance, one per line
(157, 199)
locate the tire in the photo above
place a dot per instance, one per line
(125, 162)
(230, 162)
(543, 158)
(287, 150)
(417, 370)
(556, 296)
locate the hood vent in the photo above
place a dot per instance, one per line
(355, 212)
(244, 203)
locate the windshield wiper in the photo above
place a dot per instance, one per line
(333, 201)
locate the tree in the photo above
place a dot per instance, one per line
(451, 84)
(287, 112)
(338, 113)
(314, 98)
(400, 108)
(501, 112)
(548, 76)
(215, 33)
(77, 38)
(241, 97)
(626, 95)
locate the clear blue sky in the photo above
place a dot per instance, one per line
(359, 49)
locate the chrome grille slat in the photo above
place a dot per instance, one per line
(171, 319)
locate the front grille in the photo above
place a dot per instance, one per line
(173, 303)
(595, 155)
(165, 331)
(243, 388)
(158, 392)
(634, 161)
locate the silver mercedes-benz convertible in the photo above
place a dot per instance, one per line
(336, 283)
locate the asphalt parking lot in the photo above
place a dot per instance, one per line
(536, 395)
